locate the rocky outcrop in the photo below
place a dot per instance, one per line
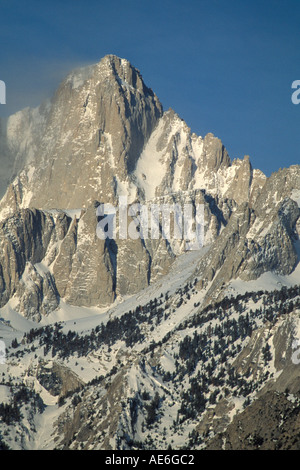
(6, 159)
(80, 429)
(93, 272)
(259, 237)
(56, 378)
(175, 160)
(87, 141)
(104, 135)
(36, 292)
(270, 423)
(47, 256)
(26, 237)
(180, 362)
(84, 268)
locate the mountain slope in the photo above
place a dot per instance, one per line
(141, 342)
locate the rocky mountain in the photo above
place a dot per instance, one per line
(142, 342)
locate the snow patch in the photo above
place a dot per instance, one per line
(296, 196)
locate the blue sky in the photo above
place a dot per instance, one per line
(225, 66)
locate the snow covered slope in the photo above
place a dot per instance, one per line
(140, 343)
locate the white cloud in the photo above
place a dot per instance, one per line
(30, 82)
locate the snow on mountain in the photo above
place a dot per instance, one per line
(141, 343)
(136, 383)
(296, 196)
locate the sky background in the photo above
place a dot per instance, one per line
(225, 66)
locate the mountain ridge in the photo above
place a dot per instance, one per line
(173, 343)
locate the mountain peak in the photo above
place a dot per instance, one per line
(158, 317)
(98, 122)
(110, 69)
(127, 76)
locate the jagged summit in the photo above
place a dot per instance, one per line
(92, 133)
(104, 135)
(140, 343)
(109, 67)
(106, 130)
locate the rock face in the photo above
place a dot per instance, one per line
(57, 379)
(255, 241)
(174, 355)
(257, 427)
(271, 422)
(104, 135)
(26, 239)
(6, 160)
(83, 269)
(88, 139)
(176, 160)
